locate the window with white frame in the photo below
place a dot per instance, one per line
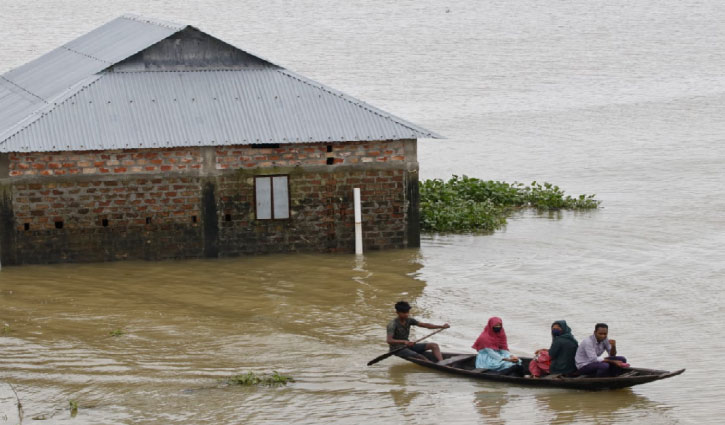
(271, 194)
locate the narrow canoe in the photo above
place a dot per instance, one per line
(464, 364)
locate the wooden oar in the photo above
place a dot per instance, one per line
(397, 350)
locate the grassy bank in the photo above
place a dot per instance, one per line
(465, 204)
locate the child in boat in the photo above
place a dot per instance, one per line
(590, 359)
(399, 331)
(541, 363)
(492, 347)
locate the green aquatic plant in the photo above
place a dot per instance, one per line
(550, 197)
(251, 378)
(116, 332)
(73, 406)
(6, 329)
(465, 204)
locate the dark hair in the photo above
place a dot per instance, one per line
(600, 325)
(402, 307)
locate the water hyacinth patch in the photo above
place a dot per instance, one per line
(465, 204)
(251, 378)
(116, 332)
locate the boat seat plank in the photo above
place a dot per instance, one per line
(451, 360)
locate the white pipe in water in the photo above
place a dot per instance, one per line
(358, 222)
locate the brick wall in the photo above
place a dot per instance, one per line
(153, 161)
(321, 213)
(85, 204)
(131, 161)
(100, 210)
(350, 153)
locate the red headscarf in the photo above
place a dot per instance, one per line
(491, 339)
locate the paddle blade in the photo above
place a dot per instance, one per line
(379, 358)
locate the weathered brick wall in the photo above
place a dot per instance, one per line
(350, 153)
(153, 161)
(80, 220)
(321, 213)
(204, 204)
(131, 161)
(86, 203)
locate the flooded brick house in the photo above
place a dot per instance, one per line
(151, 140)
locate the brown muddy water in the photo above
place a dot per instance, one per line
(188, 325)
(619, 98)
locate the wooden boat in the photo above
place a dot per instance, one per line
(465, 365)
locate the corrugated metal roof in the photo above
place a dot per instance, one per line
(54, 72)
(122, 37)
(28, 91)
(15, 103)
(68, 100)
(159, 109)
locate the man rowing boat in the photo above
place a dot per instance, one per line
(399, 331)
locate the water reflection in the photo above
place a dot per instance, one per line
(490, 404)
(566, 407)
(401, 393)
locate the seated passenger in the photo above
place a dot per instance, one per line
(492, 348)
(590, 359)
(563, 349)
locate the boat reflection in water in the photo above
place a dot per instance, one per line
(591, 407)
(553, 406)
(490, 405)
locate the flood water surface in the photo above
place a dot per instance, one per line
(185, 326)
(622, 99)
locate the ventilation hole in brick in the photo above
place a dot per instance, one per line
(104, 222)
(148, 220)
(227, 217)
(330, 161)
(58, 224)
(26, 226)
(193, 219)
(265, 145)
(329, 148)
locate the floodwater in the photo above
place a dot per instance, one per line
(619, 98)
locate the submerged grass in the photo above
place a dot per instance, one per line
(251, 378)
(466, 204)
(73, 407)
(116, 332)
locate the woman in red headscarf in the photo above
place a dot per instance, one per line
(492, 348)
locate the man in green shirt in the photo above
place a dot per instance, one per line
(399, 331)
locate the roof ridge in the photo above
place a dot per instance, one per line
(144, 71)
(160, 22)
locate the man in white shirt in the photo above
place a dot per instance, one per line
(590, 358)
